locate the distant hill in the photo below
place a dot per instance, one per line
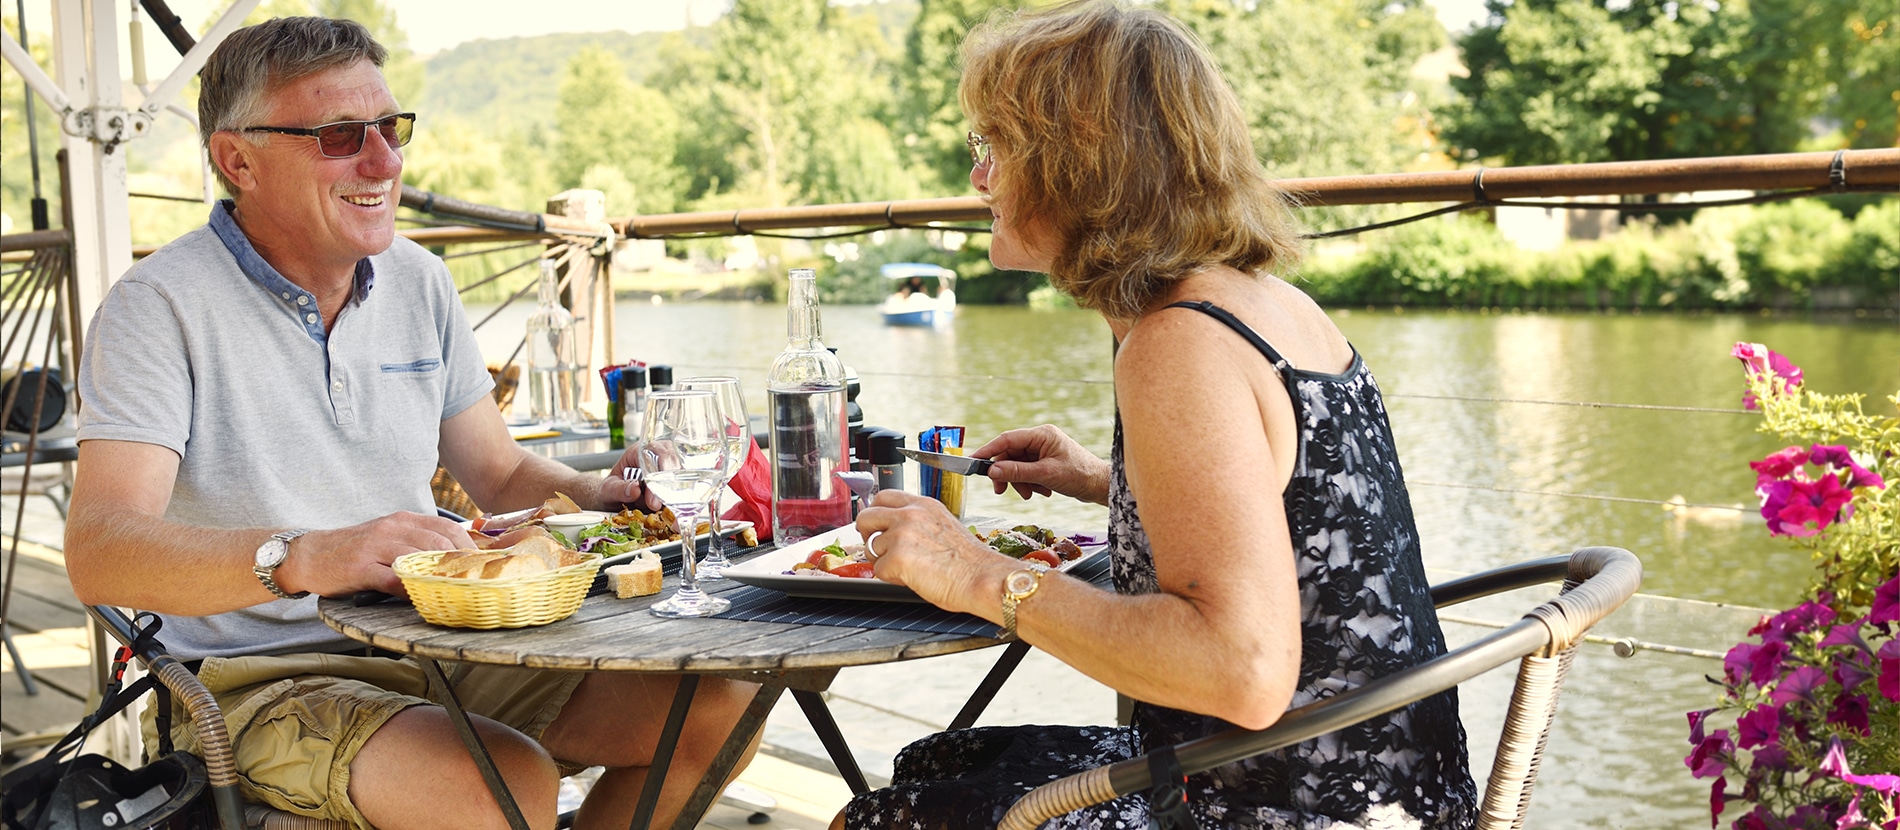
(517, 80)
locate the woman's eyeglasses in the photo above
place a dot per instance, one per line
(342, 139)
(980, 152)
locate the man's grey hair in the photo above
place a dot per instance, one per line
(235, 86)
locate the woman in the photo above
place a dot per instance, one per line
(1116, 160)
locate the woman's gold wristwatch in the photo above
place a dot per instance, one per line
(1019, 586)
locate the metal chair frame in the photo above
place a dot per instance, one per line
(1597, 580)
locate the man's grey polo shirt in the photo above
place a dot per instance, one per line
(205, 349)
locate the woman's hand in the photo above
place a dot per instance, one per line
(921, 546)
(1044, 459)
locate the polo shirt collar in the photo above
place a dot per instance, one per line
(224, 224)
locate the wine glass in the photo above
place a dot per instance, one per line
(738, 428)
(684, 457)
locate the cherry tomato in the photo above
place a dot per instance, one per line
(855, 569)
(1045, 556)
(817, 559)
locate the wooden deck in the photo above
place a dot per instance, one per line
(49, 628)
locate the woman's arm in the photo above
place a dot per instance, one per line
(1223, 635)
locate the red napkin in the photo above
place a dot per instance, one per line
(753, 486)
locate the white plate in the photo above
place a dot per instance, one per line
(574, 521)
(772, 570)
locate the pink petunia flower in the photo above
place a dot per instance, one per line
(1850, 711)
(1837, 457)
(1710, 756)
(1887, 674)
(1852, 672)
(1771, 756)
(1759, 360)
(1846, 634)
(1780, 464)
(1886, 602)
(1758, 726)
(1798, 685)
(1835, 764)
(1696, 719)
(1811, 506)
(1718, 799)
(1808, 616)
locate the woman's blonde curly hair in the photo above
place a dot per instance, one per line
(1118, 140)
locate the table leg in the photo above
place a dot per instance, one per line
(742, 733)
(827, 728)
(663, 752)
(473, 742)
(992, 683)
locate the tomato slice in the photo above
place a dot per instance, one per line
(476, 523)
(1045, 556)
(855, 569)
(817, 559)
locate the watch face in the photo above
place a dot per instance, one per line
(272, 553)
(1020, 582)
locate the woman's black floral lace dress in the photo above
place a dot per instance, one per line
(1366, 613)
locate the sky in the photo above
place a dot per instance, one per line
(434, 25)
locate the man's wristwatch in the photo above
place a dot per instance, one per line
(1019, 586)
(270, 556)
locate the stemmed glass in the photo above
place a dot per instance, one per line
(683, 456)
(738, 430)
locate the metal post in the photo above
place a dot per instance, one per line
(86, 61)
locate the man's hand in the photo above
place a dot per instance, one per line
(1044, 459)
(340, 562)
(622, 488)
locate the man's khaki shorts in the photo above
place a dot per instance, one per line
(298, 720)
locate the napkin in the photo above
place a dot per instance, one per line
(753, 486)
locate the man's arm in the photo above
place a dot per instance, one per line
(120, 549)
(501, 475)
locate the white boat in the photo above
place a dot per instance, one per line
(913, 304)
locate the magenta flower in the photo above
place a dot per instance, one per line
(1806, 507)
(1695, 724)
(1798, 685)
(1835, 764)
(1852, 672)
(1888, 673)
(1710, 755)
(1780, 464)
(1718, 799)
(1759, 726)
(1836, 456)
(1771, 756)
(1759, 360)
(1808, 616)
(1753, 663)
(1886, 602)
(1850, 711)
(1845, 634)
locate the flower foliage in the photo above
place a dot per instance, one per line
(1813, 696)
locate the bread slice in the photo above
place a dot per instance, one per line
(463, 563)
(514, 565)
(639, 577)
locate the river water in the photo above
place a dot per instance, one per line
(1522, 435)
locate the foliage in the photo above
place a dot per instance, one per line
(596, 150)
(1559, 81)
(16, 193)
(1805, 720)
(1727, 258)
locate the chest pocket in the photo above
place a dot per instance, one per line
(409, 405)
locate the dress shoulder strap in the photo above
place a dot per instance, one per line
(1259, 343)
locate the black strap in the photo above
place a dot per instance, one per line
(1167, 800)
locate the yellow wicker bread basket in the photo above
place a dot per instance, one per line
(514, 602)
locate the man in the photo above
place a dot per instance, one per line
(267, 398)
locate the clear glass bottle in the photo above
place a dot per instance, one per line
(806, 392)
(554, 370)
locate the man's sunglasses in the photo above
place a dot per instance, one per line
(342, 139)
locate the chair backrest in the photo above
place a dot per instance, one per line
(1596, 581)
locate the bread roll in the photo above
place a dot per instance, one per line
(639, 577)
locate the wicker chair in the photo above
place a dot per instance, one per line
(1597, 581)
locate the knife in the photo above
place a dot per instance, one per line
(948, 463)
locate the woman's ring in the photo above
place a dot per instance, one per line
(869, 541)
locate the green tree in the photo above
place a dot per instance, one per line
(1556, 81)
(934, 128)
(618, 133)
